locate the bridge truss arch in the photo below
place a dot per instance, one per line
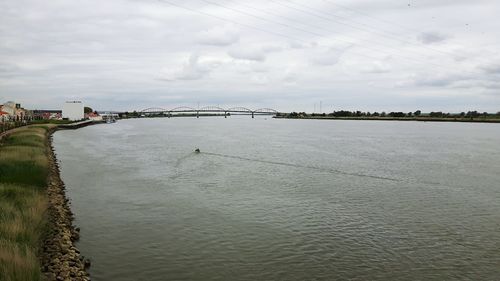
(266, 111)
(212, 108)
(239, 109)
(182, 109)
(153, 110)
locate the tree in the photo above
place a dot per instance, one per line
(436, 114)
(87, 110)
(397, 114)
(472, 114)
(417, 113)
(342, 113)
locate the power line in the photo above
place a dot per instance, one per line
(392, 23)
(307, 31)
(318, 14)
(343, 18)
(370, 16)
(397, 35)
(319, 27)
(231, 21)
(255, 28)
(265, 30)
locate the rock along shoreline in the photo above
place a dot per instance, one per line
(60, 258)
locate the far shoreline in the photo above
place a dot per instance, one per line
(407, 119)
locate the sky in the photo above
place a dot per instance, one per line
(290, 55)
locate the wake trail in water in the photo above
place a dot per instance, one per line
(322, 169)
(182, 159)
(177, 165)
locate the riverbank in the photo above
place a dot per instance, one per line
(420, 119)
(37, 235)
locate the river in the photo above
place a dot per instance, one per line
(275, 199)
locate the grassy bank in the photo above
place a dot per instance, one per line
(24, 167)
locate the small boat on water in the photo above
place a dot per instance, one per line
(197, 150)
(110, 119)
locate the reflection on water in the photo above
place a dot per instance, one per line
(285, 199)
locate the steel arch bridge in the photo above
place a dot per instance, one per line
(207, 109)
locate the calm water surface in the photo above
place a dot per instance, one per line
(285, 199)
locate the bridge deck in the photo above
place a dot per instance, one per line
(209, 109)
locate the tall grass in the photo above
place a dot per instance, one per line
(24, 168)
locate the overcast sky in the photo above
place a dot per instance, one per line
(384, 55)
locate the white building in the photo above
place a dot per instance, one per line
(73, 110)
(10, 107)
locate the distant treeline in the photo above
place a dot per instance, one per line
(399, 114)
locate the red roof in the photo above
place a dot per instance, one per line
(3, 113)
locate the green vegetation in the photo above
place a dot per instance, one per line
(471, 116)
(51, 121)
(24, 168)
(9, 125)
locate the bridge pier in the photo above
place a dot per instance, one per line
(252, 114)
(225, 114)
(197, 114)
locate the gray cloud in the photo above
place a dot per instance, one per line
(192, 70)
(218, 36)
(247, 53)
(438, 80)
(327, 56)
(491, 69)
(432, 37)
(121, 54)
(376, 67)
(326, 60)
(291, 76)
(7, 69)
